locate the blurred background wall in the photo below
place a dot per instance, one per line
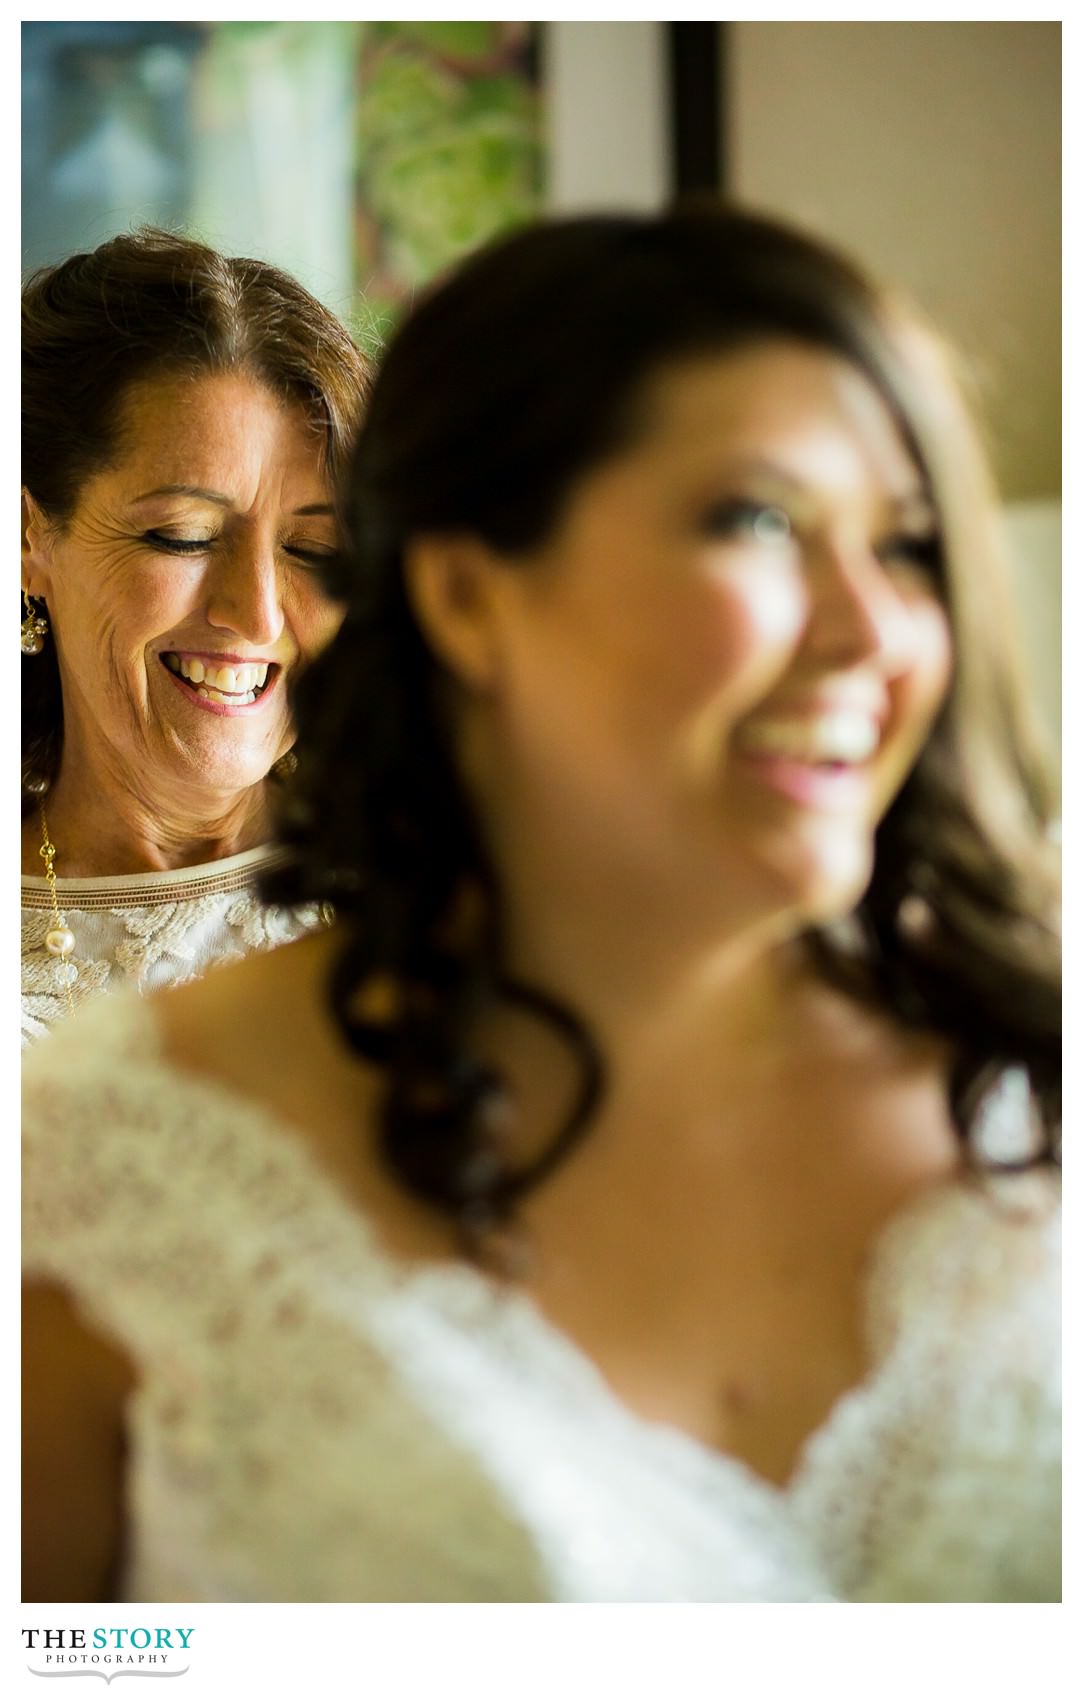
(365, 157)
(933, 150)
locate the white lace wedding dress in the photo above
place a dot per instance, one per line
(316, 1422)
(150, 930)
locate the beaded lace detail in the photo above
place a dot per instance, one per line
(150, 930)
(316, 1421)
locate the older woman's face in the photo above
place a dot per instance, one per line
(182, 593)
(718, 671)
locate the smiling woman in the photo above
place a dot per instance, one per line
(605, 1207)
(744, 614)
(183, 417)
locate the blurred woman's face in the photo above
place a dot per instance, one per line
(716, 674)
(182, 592)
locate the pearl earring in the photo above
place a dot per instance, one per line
(34, 628)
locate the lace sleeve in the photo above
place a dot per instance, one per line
(940, 1479)
(275, 1452)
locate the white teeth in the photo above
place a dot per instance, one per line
(231, 701)
(236, 682)
(845, 736)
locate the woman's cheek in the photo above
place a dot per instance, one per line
(751, 629)
(937, 651)
(742, 645)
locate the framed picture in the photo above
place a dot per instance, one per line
(362, 157)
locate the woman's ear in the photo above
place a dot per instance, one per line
(37, 551)
(451, 586)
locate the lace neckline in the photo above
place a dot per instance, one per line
(464, 1295)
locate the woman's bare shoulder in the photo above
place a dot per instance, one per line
(263, 1031)
(76, 1383)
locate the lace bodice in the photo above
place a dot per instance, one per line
(315, 1421)
(150, 930)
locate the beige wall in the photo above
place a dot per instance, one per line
(606, 116)
(933, 152)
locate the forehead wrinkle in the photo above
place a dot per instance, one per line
(215, 496)
(188, 437)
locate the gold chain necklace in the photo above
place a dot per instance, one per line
(59, 940)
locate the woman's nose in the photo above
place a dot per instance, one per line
(858, 612)
(244, 593)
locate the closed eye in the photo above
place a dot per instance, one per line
(177, 545)
(311, 554)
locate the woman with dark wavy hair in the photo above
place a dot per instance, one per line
(646, 1190)
(183, 418)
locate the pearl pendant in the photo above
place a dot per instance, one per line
(32, 643)
(60, 941)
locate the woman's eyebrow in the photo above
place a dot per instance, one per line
(220, 500)
(215, 496)
(759, 466)
(916, 506)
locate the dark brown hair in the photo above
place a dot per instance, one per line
(154, 304)
(510, 381)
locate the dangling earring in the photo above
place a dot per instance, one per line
(34, 628)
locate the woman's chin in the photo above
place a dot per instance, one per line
(819, 880)
(222, 773)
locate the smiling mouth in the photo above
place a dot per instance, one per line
(229, 685)
(819, 761)
(838, 739)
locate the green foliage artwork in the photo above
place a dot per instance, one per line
(448, 152)
(362, 157)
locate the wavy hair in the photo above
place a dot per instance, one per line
(145, 305)
(509, 382)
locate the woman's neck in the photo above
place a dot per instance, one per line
(628, 954)
(682, 1016)
(110, 830)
